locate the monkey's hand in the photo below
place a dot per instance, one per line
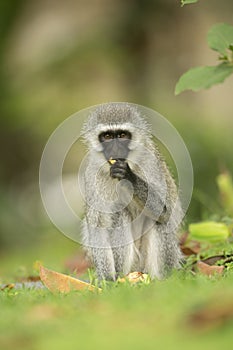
(121, 170)
(154, 208)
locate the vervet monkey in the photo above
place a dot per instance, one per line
(132, 206)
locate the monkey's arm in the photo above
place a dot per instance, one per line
(146, 196)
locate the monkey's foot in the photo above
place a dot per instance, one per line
(135, 277)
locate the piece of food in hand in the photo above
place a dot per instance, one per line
(134, 277)
(112, 161)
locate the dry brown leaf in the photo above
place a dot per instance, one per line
(189, 247)
(213, 259)
(7, 286)
(209, 270)
(192, 248)
(187, 251)
(58, 282)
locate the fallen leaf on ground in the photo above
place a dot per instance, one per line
(7, 286)
(58, 282)
(213, 259)
(187, 246)
(188, 251)
(209, 270)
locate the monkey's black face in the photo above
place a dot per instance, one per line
(115, 143)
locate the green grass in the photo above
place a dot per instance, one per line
(123, 316)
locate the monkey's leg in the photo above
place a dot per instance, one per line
(160, 251)
(102, 259)
(124, 257)
(95, 242)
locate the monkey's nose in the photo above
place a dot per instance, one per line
(115, 150)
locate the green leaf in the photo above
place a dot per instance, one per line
(203, 77)
(186, 2)
(209, 231)
(220, 38)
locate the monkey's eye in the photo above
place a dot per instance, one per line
(124, 135)
(108, 136)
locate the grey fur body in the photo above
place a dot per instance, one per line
(129, 226)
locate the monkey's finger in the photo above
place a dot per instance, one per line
(118, 169)
(119, 174)
(120, 165)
